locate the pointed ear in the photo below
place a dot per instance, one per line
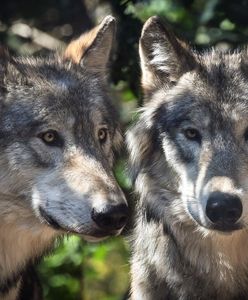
(164, 58)
(93, 48)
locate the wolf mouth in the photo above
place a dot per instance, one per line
(96, 233)
(49, 220)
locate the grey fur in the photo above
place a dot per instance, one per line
(43, 186)
(177, 253)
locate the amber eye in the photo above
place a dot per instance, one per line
(48, 137)
(192, 134)
(51, 138)
(102, 135)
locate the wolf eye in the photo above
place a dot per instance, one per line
(192, 134)
(48, 137)
(51, 138)
(102, 135)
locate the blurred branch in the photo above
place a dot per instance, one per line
(37, 36)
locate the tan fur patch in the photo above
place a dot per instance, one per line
(77, 48)
(22, 237)
(13, 293)
(94, 46)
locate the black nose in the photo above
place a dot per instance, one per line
(110, 217)
(223, 208)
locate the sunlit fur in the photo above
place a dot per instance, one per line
(176, 252)
(64, 181)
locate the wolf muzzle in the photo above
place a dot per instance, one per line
(105, 219)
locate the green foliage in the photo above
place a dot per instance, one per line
(170, 9)
(78, 270)
(203, 22)
(121, 175)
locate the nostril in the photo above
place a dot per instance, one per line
(224, 208)
(110, 217)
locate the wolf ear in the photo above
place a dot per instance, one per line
(164, 58)
(93, 48)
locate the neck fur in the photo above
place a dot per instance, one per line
(23, 240)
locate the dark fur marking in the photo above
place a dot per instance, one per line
(30, 286)
(12, 280)
(154, 208)
(10, 283)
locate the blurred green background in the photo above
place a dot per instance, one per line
(78, 270)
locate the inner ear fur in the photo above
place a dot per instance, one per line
(92, 49)
(164, 57)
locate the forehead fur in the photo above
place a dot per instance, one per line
(225, 72)
(45, 71)
(38, 88)
(216, 90)
(218, 77)
(221, 82)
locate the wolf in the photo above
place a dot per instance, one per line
(189, 165)
(59, 132)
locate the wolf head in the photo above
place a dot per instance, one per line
(58, 134)
(192, 135)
